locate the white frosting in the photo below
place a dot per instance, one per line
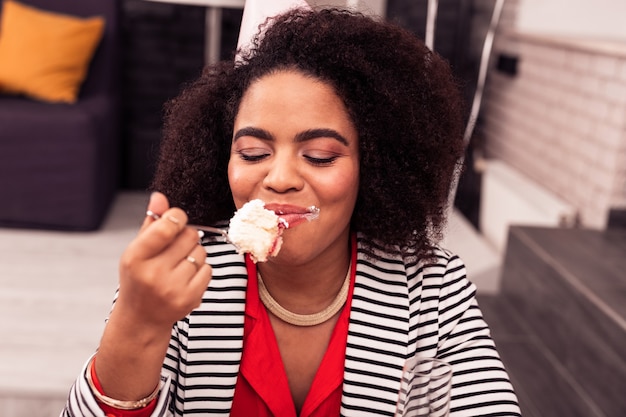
(254, 229)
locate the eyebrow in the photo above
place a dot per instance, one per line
(300, 137)
(252, 131)
(320, 133)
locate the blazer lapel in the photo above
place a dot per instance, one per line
(216, 351)
(378, 336)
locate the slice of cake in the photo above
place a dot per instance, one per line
(256, 230)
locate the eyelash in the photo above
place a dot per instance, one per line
(312, 160)
(252, 158)
(321, 161)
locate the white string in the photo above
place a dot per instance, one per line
(431, 19)
(478, 94)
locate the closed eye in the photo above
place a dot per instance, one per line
(321, 161)
(253, 155)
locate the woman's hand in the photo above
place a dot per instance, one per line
(159, 284)
(163, 273)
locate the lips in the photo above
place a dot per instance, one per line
(293, 215)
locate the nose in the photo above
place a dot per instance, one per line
(283, 174)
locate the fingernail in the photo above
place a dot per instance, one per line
(172, 219)
(152, 214)
(200, 234)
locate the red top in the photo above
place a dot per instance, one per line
(256, 394)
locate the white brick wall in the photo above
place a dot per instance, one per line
(562, 120)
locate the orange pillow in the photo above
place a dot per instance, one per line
(45, 55)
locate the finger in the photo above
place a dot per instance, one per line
(157, 205)
(192, 262)
(200, 282)
(195, 283)
(160, 234)
(185, 243)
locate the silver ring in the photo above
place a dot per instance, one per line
(192, 260)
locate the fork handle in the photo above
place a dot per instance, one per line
(210, 229)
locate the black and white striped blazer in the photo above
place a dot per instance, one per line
(399, 309)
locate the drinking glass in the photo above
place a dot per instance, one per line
(425, 388)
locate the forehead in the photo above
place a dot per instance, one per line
(291, 93)
(290, 80)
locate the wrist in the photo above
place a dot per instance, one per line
(130, 356)
(102, 398)
(126, 324)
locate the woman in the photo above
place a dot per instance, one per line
(330, 109)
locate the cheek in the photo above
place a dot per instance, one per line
(234, 175)
(239, 182)
(342, 187)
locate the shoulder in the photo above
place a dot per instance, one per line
(440, 277)
(445, 273)
(442, 262)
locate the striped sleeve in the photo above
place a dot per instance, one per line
(202, 360)
(480, 383)
(82, 403)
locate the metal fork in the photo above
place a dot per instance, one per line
(218, 234)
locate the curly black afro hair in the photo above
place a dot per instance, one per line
(402, 98)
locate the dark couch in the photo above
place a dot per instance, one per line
(59, 163)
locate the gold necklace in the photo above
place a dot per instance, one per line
(304, 319)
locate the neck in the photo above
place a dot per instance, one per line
(305, 320)
(306, 289)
